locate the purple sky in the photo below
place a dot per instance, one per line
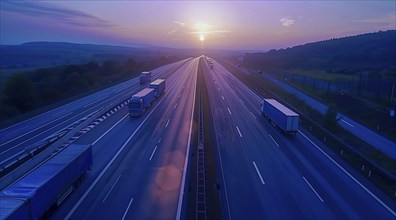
(255, 25)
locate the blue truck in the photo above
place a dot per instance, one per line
(144, 78)
(159, 87)
(141, 101)
(34, 195)
(279, 115)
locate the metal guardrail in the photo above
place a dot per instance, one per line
(58, 145)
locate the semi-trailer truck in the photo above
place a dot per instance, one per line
(144, 78)
(141, 101)
(159, 87)
(279, 115)
(33, 196)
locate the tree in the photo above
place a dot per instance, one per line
(19, 91)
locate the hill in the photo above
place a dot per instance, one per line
(41, 54)
(372, 51)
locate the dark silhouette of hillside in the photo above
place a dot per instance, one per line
(372, 51)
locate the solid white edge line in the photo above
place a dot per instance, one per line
(179, 205)
(108, 193)
(108, 130)
(352, 177)
(310, 186)
(108, 165)
(273, 140)
(229, 111)
(239, 131)
(347, 123)
(258, 173)
(152, 154)
(126, 211)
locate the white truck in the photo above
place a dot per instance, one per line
(279, 115)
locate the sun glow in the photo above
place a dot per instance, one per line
(202, 30)
(201, 37)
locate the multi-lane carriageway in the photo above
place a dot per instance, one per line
(140, 163)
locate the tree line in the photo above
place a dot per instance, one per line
(28, 91)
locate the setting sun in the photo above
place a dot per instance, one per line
(201, 37)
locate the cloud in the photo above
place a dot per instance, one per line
(182, 24)
(45, 10)
(287, 22)
(386, 22)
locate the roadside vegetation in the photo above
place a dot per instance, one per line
(357, 74)
(371, 163)
(28, 93)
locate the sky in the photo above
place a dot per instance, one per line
(232, 25)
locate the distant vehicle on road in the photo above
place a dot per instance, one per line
(33, 196)
(144, 78)
(141, 101)
(279, 115)
(159, 87)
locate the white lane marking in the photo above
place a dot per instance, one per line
(15, 131)
(152, 154)
(179, 205)
(353, 178)
(313, 189)
(253, 115)
(229, 111)
(242, 101)
(108, 193)
(347, 123)
(222, 97)
(107, 166)
(126, 211)
(218, 88)
(167, 123)
(93, 143)
(273, 140)
(239, 131)
(159, 140)
(31, 132)
(59, 113)
(175, 106)
(258, 173)
(180, 95)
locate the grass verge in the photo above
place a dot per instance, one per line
(371, 163)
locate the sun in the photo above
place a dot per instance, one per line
(202, 37)
(202, 31)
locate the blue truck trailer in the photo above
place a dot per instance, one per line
(141, 101)
(159, 87)
(282, 117)
(144, 78)
(32, 196)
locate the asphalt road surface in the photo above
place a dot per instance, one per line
(371, 137)
(267, 175)
(142, 161)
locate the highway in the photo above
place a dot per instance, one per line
(16, 137)
(269, 176)
(371, 137)
(139, 162)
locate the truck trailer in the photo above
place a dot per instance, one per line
(141, 101)
(279, 115)
(159, 87)
(33, 196)
(144, 78)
